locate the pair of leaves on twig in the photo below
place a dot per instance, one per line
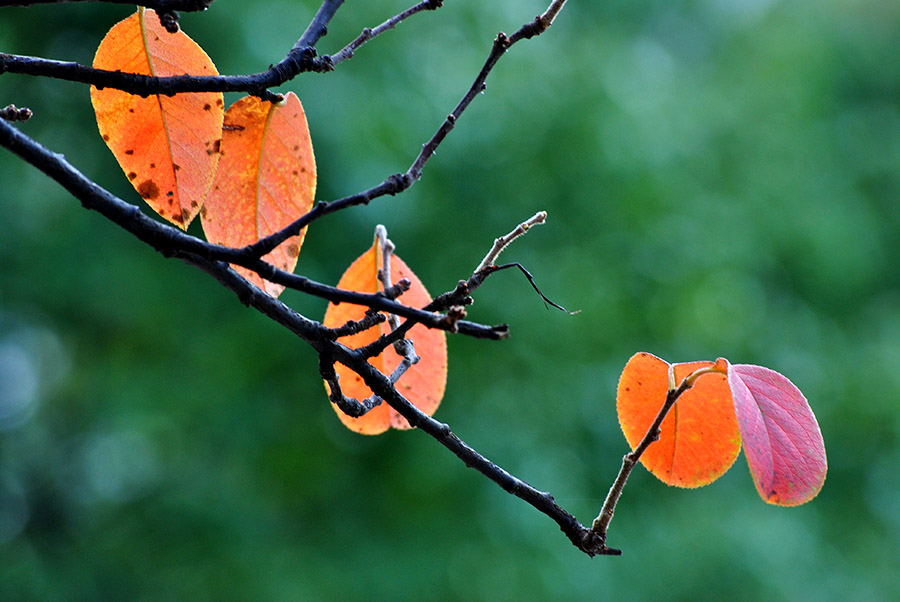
(248, 171)
(729, 404)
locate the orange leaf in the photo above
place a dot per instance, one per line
(699, 438)
(165, 145)
(423, 384)
(266, 180)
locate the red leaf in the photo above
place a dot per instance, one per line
(782, 440)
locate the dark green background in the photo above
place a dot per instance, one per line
(722, 179)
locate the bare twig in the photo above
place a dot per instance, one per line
(370, 319)
(370, 33)
(501, 243)
(384, 272)
(404, 347)
(544, 298)
(460, 296)
(399, 182)
(600, 525)
(351, 407)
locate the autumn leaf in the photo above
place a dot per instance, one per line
(423, 383)
(165, 145)
(699, 438)
(266, 180)
(782, 441)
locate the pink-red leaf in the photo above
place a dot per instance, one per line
(782, 440)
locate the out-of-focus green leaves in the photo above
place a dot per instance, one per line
(722, 179)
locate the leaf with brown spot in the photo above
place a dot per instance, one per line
(159, 130)
(423, 384)
(252, 195)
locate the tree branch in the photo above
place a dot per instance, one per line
(584, 539)
(172, 242)
(215, 260)
(302, 58)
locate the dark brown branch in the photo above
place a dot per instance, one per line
(349, 406)
(172, 242)
(583, 538)
(300, 59)
(293, 64)
(214, 260)
(370, 319)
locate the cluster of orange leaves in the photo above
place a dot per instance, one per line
(248, 171)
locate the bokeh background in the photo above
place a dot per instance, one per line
(722, 179)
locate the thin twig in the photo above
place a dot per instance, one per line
(351, 327)
(456, 299)
(544, 298)
(600, 525)
(384, 271)
(399, 182)
(501, 243)
(404, 347)
(370, 33)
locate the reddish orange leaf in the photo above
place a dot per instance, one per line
(423, 384)
(782, 441)
(266, 180)
(699, 438)
(165, 145)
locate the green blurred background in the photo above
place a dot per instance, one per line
(722, 179)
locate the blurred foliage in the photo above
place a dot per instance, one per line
(722, 179)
